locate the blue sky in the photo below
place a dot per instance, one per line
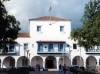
(23, 10)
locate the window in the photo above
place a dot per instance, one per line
(40, 47)
(38, 28)
(24, 62)
(50, 47)
(26, 46)
(12, 62)
(61, 28)
(60, 47)
(74, 46)
(11, 48)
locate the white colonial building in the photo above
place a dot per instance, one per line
(48, 43)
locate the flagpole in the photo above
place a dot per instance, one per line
(50, 15)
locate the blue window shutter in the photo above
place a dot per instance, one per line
(53, 47)
(48, 47)
(58, 46)
(64, 46)
(40, 47)
(61, 46)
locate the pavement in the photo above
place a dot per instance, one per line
(48, 72)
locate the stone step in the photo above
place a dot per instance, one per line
(52, 69)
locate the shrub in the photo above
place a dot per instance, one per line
(21, 70)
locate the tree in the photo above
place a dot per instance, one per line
(89, 34)
(9, 28)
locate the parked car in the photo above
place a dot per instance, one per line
(74, 69)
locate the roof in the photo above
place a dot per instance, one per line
(23, 34)
(51, 41)
(45, 18)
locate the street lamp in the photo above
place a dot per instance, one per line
(24, 56)
(27, 55)
(29, 58)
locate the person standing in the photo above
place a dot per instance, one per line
(64, 68)
(60, 68)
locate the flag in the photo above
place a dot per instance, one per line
(50, 8)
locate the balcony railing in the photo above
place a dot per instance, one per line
(10, 51)
(93, 51)
(50, 51)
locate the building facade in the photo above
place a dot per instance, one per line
(48, 44)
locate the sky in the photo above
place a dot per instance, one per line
(23, 10)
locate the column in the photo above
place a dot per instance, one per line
(98, 67)
(84, 64)
(43, 64)
(1, 64)
(15, 64)
(57, 65)
(57, 61)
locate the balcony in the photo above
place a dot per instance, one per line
(46, 51)
(90, 51)
(10, 51)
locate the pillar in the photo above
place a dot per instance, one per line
(57, 63)
(84, 64)
(43, 64)
(97, 64)
(1, 64)
(15, 64)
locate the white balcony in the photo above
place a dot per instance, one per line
(50, 51)
(10, 51)
(93, 51)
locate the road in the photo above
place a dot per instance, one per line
(47, 72)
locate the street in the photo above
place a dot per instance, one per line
(47, 72)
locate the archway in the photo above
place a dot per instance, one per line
(22, 61)
(9, 62)
(91, 61)
(37, 60)
(64, 60)
(77, 60)
(50, 62)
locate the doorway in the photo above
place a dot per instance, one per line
(49, 63)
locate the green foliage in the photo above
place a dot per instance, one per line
(9, 27)
(89, 34)
(21, 70)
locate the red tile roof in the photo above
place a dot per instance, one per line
(51, 41)
(44, 18)
(23, 34)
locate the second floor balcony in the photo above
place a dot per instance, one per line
(92, 51)
(10, 50)
(51, 47)
(50, 51)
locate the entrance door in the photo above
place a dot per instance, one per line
(49, 63)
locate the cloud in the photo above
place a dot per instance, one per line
(13, 12)
(23, 10)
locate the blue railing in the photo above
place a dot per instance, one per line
(93, 50)
(11, 50)
(50, 50)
